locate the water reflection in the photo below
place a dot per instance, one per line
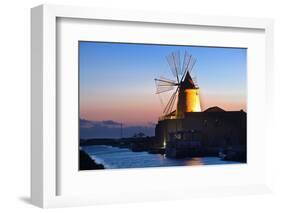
(114, 157)
(194, 162)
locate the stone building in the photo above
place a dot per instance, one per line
(213, 130)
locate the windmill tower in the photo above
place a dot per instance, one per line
(186, 92)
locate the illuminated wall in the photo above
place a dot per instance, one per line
(192, 100)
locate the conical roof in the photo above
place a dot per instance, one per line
(188, 82)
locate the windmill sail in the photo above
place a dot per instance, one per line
(175, 64)
(169, 107)
(164, 85)
(186, 93)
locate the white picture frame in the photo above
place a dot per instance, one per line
(44, 147)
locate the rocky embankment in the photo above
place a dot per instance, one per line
(86, 162)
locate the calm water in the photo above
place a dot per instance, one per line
(113, 157)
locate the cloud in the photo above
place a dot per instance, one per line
(112, 129)
(111, 123)
(86, 123)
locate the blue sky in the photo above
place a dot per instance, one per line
(117, 80)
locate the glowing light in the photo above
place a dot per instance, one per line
(164, 142)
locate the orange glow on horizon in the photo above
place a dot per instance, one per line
(146, 110)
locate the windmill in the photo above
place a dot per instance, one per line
(186, 91)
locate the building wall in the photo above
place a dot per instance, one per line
(213, 129)
(188, 101)
(192, 100)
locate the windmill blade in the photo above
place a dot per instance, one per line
(164, 85)
(195, 81)
(192, 63)
(185, 65)
(185, 62)
(173, 102)
(175, 65)
(170, 104)
(166, 109)
(166, 81)
(194, 77)
(161, 101)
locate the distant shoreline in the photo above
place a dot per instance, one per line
(135, 144)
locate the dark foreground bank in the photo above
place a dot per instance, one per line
(86, 162)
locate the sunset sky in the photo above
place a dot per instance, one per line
(117, 80)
